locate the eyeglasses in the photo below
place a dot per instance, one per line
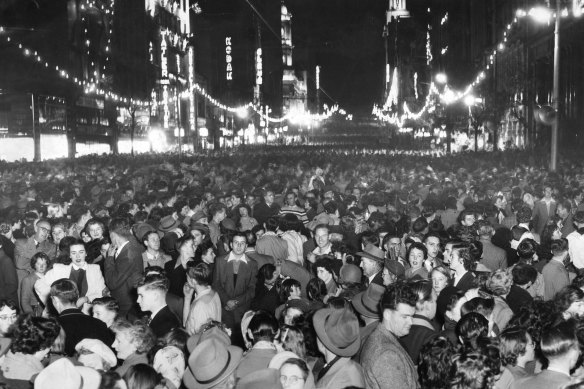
(293, 379)
(8, 317)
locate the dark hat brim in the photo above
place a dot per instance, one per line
(318, 320)
(361, 308)
(235, 357)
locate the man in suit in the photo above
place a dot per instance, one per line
(338, 339)
(559, 345)
(372, 260)
(493, 257)
(152, 291)
(544, 209)
(234, 280)
(555, 275)
(123, 266)
(461, 263)
(266, 208)
(87, 277)
(24, 249)
(564, 211)
(383, 349)
(77, 325)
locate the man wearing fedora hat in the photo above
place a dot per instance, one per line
(366, 304)
(338, 339)
(383, 350)
(211, 365)
(372, 259)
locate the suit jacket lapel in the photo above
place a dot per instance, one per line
(241, 274)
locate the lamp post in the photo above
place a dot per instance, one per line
(556, 91)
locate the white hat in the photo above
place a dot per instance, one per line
(99, 348)
(170, 363)
(68, 376)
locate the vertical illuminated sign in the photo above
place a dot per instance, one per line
(317, 77)
(191, 89)
(228, 59)
(259, 67)
(164, 81)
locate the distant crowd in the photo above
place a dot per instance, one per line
(292, 267)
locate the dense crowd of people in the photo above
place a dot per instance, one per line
(292, 267)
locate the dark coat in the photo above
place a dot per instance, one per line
(163, 322)
(466, 282)
(261, 211)
(122, 274)
(8, 278)
(243, 291)
(517, 298)
(421, 332)
(78, 326)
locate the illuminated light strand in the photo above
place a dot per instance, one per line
(449, 96)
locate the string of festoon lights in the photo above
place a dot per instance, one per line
(94, 88)
(449, 96)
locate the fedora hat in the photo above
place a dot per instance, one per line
(338, 330)
(140, 230)
(366, 303)
(372, 252)
(264, 378)
(210, 363)
(203, 228)
(212, 332)
(168, 223)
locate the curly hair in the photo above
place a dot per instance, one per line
(435, 362)
(39, 256)
(513, 343)
(470, 328)
(316, 289)
(33, 334)
(140, 334)
(470, 371)
(292, 339)
(398, 293)
(566, 297)
(500, 282)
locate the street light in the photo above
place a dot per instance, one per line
(543, 15)
(441, 78)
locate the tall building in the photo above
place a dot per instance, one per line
(294, 84)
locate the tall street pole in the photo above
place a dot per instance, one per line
(556, 90)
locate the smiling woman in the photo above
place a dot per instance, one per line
(87, 277)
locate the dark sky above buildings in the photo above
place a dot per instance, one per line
(343, 36)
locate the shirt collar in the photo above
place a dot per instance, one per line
(232, 257)
(75, 267)
(121, 247)
(151, 256)
(202, 293)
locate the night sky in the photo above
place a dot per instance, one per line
(345, 38)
